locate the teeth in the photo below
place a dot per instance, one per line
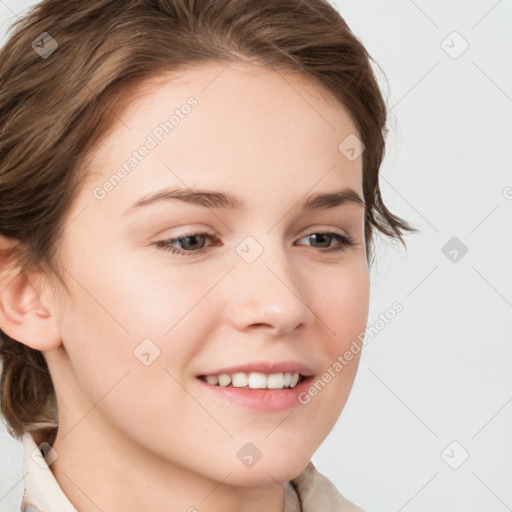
(224, 379)
(212, 379)
(275, 381)
(257, 380)
(239, 380)
(254, 380)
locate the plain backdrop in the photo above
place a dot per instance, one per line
(428, 426)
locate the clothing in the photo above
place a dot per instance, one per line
(308, 492)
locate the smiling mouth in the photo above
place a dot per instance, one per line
(255, 380)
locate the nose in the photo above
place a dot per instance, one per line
(268, 294)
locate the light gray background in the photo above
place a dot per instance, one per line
(440, 371)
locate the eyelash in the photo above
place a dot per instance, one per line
(344, 240)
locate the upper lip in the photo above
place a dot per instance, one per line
(266, 367)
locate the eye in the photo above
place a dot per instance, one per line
(190, 243)
(342, 240)
(191, 249)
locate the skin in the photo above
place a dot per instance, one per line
(136, 437)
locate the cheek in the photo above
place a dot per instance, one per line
(124, 377)
(342, 302)
(124, 316)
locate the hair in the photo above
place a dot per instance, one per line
(54, 109)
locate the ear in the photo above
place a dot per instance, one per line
(23, 316)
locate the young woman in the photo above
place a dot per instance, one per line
(188, 197)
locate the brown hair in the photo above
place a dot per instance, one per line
(54, 108)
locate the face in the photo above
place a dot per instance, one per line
(169, 290)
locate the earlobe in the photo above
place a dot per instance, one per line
(22, 316)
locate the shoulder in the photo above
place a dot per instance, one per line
(317, 492)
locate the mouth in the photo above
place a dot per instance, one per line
(256, 391)
(255, 380)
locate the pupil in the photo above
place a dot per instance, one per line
(320, 237)
(194, 237)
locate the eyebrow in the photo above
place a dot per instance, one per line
(216, 199)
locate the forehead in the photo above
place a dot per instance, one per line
(249, 125)
(237, 82)
(235, 93)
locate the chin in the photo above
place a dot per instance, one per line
(268, 470)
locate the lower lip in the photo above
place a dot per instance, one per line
(262, 399)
